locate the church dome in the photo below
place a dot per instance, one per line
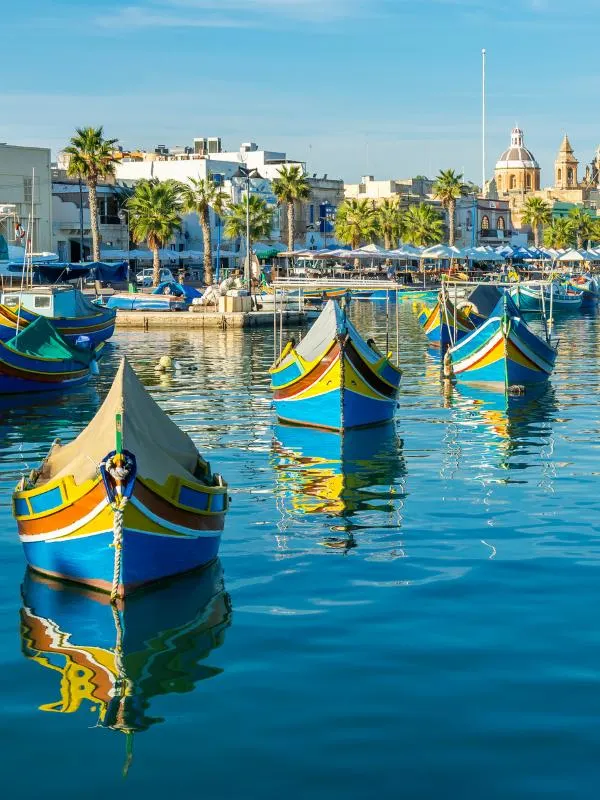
(517, 156)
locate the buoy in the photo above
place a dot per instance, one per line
(165, 364)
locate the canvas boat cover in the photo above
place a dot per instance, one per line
(328, 325)
(485, 298)
(161, 449)
(41, 340)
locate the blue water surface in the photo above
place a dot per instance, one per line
(415, 615)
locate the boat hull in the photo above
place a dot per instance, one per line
(437, 331)
(74, 540)
(527, 299)
(341, 392)
(501, 353)
(97, 328)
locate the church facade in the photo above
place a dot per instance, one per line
(517, 176)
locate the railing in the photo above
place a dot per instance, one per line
(110, 219)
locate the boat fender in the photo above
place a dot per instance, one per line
(448, 370)
(94, 369)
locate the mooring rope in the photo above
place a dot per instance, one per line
(118, 545)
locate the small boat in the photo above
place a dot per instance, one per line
(589, 288)
(114, 662)
(129, 502)
(334, 379)
(38, 359)
(536, 297)
(445, 324)
(167, 296)
(69, 310)
(503, 350)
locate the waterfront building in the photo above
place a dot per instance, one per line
(485, 221)
(314, 218)
(25, 180)
(71, 218)
(408, 190)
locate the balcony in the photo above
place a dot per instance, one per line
(109, 219)
(493, 234)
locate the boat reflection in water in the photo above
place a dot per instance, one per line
(338, 475)
(114, 660)
(518, 424)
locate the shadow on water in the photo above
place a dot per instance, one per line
(342, 477)
(114, 661)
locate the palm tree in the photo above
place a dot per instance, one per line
(582, 224)
(559, 233)
(356, 222)
(155, 216)
(91, 159)
(389, 222)
(448, 187)
(261, 221)
(199, 196)
(290, 187)
(422, 225)
(537, 213)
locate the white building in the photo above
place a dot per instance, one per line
(25, 181)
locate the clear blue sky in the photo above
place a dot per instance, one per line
(391, 87)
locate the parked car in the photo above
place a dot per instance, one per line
(144, 278)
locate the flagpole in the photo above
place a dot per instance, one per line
(483, 122)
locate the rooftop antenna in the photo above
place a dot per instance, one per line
(483, 122)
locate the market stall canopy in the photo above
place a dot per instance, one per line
(573, 255)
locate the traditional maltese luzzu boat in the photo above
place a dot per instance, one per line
(334, 379)
(129, 502)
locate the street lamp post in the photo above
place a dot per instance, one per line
(124, 217)
(248, 174)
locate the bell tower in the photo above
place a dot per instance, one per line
(565, 167)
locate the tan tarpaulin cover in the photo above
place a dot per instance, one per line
(160, 447)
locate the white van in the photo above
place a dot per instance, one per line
(144, 278)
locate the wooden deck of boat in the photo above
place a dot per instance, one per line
(205, 319)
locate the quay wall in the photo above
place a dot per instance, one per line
(151, 320)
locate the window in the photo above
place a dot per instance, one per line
(559, 175)
(513, 181)
(27, 189)
(499, 182)
(501, 224)
(311, 215)
(41, 302)
(569, 177)
(528, 181)
(485, 223)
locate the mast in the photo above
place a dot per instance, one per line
(483, 55)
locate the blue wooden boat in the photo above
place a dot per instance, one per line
(444, 325)
(113, 662)
(129, 502)
(70, 311)
(38, 359)
(589, 288)
(334, 379)
(503, 350)
(529, 297)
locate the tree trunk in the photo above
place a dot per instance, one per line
(155, 267)
(387, 241)
(93, 201)
(290, 223)
(208, 261)
(536, 235)
(451, 233)
(579, 241)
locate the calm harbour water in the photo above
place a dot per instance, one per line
(420, 623)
